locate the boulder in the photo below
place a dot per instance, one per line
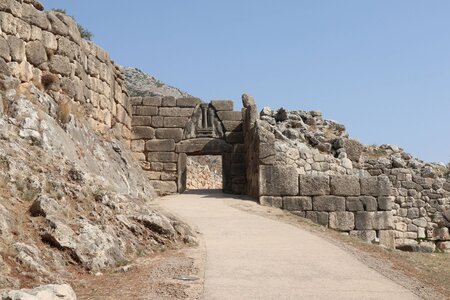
(35, 52)
(45, 292)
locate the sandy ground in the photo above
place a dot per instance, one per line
(250, 256)
(248, 251)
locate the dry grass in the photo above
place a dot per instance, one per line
(64, 111)
(48, 79)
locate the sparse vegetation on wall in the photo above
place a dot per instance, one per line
(85, 34)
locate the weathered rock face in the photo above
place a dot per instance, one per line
(204, 172)
(71, 199)
(46, 292)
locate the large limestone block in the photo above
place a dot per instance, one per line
(365, 235)
(188, 102)
(152, 101)
(205, 145)
(342, 220)
(329, 203)
(35, 17)
(314, 185)
(234, 137)
(170, 111)
(271, 201)
(5, 52)
(318, 217)
(35, 52)
(230, 115)
(60, 65)
(160, 145)
(278, 181)
(164, 187)
(143, 132)
(294, 203)
(364, 220)
(386, 202)
(222, 105)
(345, 185)
(169, 101)
(141, 121)
(17, 47)
(175, 122)
(170, 133)
(354, 204)
(369, 203)
(145, 110)
(8, 23)
(58, 27)
(165, 157)
(387, 238)
(376, 186)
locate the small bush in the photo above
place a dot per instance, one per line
(281, 115)
(48, 80)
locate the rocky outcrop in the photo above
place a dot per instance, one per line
(72, 197)
(140, 84)
(204, 172)
(45, 292)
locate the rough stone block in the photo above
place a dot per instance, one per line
(364, 220)
(365, 235)
(141, 121)
(175, 122)
(345, 185)
(271, 201)
(209, 145)
(328, 203)
(387, 238)
(222, 105)
(386, 202)
(17, 47)
(369, 203)
(230, 115)
(318, 217)
(143, 132)
(152, 101)
(164, 187)
(168, 176)
(164, 157)
(170, 167)
(169, 101)
(60, 65)
(188, 102)
(235, 126)
(369, 186)
(383, 220)
(342, 220)
(35, 52)
(169, 111)
(375, 186)
(314, 185)
(157, 121)
(157, 166)
(354, 204)
(186, 112)
(294, 203)
(278, 180)
(169, 133)
(145, 111)
(160, 145)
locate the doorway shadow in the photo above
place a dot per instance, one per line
(218, 194)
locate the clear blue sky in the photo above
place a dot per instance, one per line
(380, 67)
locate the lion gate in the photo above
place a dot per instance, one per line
(166, 130)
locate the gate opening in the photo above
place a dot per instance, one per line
(204, 172)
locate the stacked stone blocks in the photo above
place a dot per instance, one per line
(166, 130)
(36, 43)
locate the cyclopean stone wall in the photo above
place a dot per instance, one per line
(165, 130)
(46, 48)
(309, 166)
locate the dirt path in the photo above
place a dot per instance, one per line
(253, 257)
